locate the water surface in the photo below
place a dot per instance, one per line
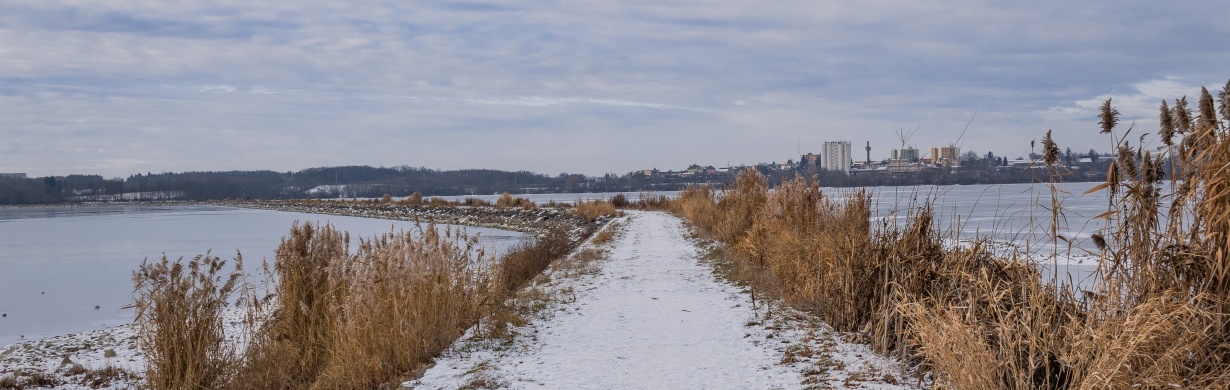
(58, 263)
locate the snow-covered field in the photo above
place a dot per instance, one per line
(655, 317)
(69, 269)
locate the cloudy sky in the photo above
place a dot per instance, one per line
(126, 86)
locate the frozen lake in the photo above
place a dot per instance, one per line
(1011, 214)
(58, 263)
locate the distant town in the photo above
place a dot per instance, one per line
(837, 157)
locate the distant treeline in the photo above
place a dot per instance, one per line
(374, 182)
(331, 182)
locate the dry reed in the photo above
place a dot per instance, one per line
(179, 310)
(333, 317)
(593, 209)
(1159, 315)
(507, 200)
(361, 320)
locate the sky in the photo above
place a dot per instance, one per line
(120, 87)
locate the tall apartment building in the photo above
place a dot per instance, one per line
(836, 156)
(907, 154)
(945, 155)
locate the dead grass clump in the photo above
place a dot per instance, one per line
(401, 299)
(605, 235)
(595, 208)
(513, 303)
(103, 377)
(475, 202)
(739, 205)
(293, 346)
(1161, 343)
(414, 199)
(697, 204)
(507, 200)
(179, 319)
(437, 201)
(620, 201)
(961, 355)
(29, 380)
(529, 259)
(362, 320)
(653, 202)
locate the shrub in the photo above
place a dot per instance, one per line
(507, 200)
(414, 199)
(476, 202)
(620, 201)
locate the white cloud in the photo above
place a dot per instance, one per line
(236, 84)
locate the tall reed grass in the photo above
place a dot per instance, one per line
(1159, 315)
(593, 209)
(333, 316)
(179, 319)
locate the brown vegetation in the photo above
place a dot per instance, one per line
(593, 209)
(29, 380)
(529, 259)
(1159, 316)
(507, 200)
(179, 321)
(335, 317)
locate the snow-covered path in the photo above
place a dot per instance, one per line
(654, 317)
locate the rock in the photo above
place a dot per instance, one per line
(110, 353)
(66, 361)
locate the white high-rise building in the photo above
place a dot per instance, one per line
(908, 154)
(835, 156)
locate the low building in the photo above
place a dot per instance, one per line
(902, 166)
(809, 159)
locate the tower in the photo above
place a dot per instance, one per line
(868, 152)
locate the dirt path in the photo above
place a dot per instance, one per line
(653, 317)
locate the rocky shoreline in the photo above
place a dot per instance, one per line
(532, 221)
